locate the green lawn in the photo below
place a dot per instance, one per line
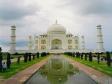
(15, 68)
(12, 56)
(100, 67)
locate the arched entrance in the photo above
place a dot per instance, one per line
(56, 44)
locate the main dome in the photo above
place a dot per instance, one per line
(56, 28)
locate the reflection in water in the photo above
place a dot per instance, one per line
(59, 71)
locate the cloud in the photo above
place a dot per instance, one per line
(99, 7)
(14, 9)
(35, 16)
(19, 43)
(92, 7)
(4, 42)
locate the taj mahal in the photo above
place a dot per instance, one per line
(56, 40)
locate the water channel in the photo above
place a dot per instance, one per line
(59, 71)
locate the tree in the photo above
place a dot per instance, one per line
(33, 56)
(77, 54)
(1, 59)
(90, 57)
(18, 59)
(29, 56)
(25, 57)
(98, 57)
(108, 59)
(37, 54)
(82, 55)
(86, 54)
(8, 60)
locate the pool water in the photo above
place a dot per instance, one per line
(59, 71)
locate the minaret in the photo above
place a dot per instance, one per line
(13, 40)
(30, 45)
(82, 43)
(100, 47)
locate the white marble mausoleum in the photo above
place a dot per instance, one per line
(55, 40)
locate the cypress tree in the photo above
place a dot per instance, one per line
(37, 54)
(25, 57)
(1, 59)
(98, 57)
(82, 55)
(33, 56)
(86, 54)
(8, 60)
(90, 57)
(29, 56)
(18, 59)
(108, 59)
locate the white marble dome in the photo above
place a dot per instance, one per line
(56, 28)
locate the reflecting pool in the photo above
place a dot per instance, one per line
(59, 71)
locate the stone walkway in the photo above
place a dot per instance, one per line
(98, 76)
(22, 76)
(1, 80)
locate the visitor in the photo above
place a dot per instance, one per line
(74, 54)
(4, 66)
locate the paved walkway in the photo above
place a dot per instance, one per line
(22, 76)
(98, 76)
(1, 80)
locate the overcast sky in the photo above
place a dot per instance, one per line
(79, 17)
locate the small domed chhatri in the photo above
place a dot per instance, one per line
(56, 28)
